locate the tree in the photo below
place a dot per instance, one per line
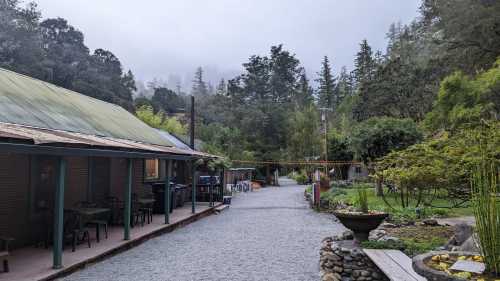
(364, 64)
(160, 121)
(304, 140)
(199, 85)
(464, 101)
(376, 137)
(304, 94)
(327, 87)
(167, 101)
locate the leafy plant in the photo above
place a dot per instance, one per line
(362, 198)
(486, 206)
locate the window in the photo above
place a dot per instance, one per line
(151, 169)
(358, 170)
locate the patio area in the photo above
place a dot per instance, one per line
(36, 263)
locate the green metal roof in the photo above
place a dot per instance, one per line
(31, 102)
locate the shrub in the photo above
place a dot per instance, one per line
(486, 206)
(301, 177)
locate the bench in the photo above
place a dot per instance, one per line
(394, 264)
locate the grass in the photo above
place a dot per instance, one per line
(376, 203)
(414, 240)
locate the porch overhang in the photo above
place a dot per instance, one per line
(96, 152)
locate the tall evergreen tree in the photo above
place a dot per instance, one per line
(199, 85)
(327, 85)
(364, 63)
(304, 95)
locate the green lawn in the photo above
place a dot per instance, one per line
(377, 203)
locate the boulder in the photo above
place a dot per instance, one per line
(430, 222)
(469, 245)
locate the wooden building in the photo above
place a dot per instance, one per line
(59, 148)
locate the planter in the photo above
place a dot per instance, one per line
(360, 223)
(420, 265)
(324, 185)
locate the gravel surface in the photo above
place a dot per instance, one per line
(266, 235)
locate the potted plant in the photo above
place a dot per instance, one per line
(324, 182)
(361, 221)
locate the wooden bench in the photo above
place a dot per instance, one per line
(394, 264)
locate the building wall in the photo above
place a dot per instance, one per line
(76, 187)
(14, 196)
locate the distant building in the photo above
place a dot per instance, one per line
(357, 171)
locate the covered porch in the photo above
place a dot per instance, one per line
(36, 263)
(43, 184)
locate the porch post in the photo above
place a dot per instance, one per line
(90, 178)
(59, 215)
(167, 190)
(222, 184)
(128, 201)
(211, 190)
(193, 189)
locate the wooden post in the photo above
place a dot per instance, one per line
(193, 188)
(168, 191)
(128, 202)
(210, 191)
(90, 179)
(59, 215)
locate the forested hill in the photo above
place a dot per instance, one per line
(271, 111)
(54, 51)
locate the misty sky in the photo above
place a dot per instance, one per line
(162, 38)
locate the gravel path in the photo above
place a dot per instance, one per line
(266, 235)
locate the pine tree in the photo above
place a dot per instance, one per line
(364, 64)
(199, 86)
(327, 85)
(304, 94)
(344, 85)
(221, 88)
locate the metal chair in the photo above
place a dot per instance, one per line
(73, 230)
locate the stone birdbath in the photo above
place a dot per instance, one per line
(360, 223)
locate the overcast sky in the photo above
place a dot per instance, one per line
(161, 38)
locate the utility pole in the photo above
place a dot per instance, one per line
(324, 111)
(191, 127)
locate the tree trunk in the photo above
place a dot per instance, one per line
(379, 189)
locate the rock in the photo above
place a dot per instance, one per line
(329, 277)
(469, 245)
(338, 269)
(377, 234)
(365, 273)
(389, 239)
(430, 222)
(463, 232)
(388, 225)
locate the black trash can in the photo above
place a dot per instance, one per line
(159, 194)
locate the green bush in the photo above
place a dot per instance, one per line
(411, 247)
(301, 178)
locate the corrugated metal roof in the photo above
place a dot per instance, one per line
(47, 136)
(174, 140)
(31, 102)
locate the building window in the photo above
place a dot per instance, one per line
(358, 170)
(151, 169)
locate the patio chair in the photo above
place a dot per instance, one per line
(73, 230)
(116, 209)
(137, 215)
(4, 252)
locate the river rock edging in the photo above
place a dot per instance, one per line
(342, 260)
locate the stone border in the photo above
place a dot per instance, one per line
(341, 260)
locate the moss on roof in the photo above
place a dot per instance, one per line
(31, 102)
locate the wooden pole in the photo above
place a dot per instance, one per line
(59, 215)
(168, 191)
(191, 127)
(193, 189)
(128, 202)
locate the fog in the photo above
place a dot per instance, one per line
(167, 40)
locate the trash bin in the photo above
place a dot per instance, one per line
(159, 195)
